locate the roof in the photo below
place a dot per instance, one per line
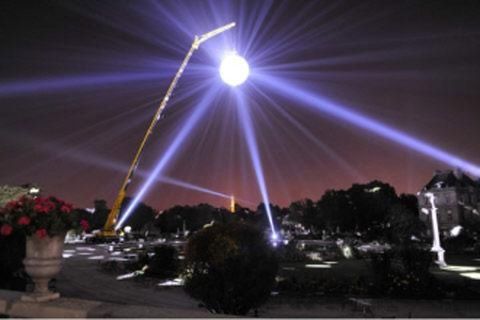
(450, 179)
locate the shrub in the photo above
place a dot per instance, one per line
(164, 264)
(404, 272)
(459, 243)
(290, 253)
(231, 268)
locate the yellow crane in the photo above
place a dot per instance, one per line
(109, 227)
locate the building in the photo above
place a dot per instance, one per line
(457, 197)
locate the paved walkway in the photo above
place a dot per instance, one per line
(81, 278)
(378, 308)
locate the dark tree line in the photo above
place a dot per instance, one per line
(373, 209)
(138, 219)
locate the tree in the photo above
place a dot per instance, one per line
(170, 220)
(337, 210)
(230, 267)
(372, 202)
(9, 193)
(82, 214)
(99, 216)
(403, 224)
(261, 219)
(140, 216)
(164, 264)
(410, 202)
(194, 217)
(307, 213)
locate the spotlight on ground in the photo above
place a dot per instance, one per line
(234, 69)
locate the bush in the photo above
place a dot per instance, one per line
(404, 272)
(231, 268)
(164, 264)
(290, 253)
(458, 244)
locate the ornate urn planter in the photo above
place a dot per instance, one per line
(44, 222)
(42, 262)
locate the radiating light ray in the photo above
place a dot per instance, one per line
(256, 22)
(113, 17)
(299, 37)
(268, 124)
(296, 164)
(167, 156)
(190, 186)
(323, 146)
(289, 90)
(359, 66)
(161, 11)
(204, 145)
(271, 159)
(49, 85)
(73, 153)
(348, 26)
(278, 42)
(307, 31)
(117, 166)
(246, 123)
(106, 137)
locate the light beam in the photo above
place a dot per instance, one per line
(197, 114)
(291, 90)
(247, 126)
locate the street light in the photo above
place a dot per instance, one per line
(109, 229)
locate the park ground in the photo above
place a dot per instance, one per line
(82, 277)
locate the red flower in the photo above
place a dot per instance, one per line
(41, 233)
(6, 230)
(39, 208)
(66, 208)
(84, 224)
(49, 205)
(23, 221)
(11, 205)
(43, 205)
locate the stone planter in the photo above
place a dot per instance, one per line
(42, 262)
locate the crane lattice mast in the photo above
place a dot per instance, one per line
(109, 227)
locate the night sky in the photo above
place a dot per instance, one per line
(80, 81)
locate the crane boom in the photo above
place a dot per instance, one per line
(109, 227)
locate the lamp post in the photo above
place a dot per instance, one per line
(436, 247)
(109, 229)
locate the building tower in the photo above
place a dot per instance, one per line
(232, 204)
